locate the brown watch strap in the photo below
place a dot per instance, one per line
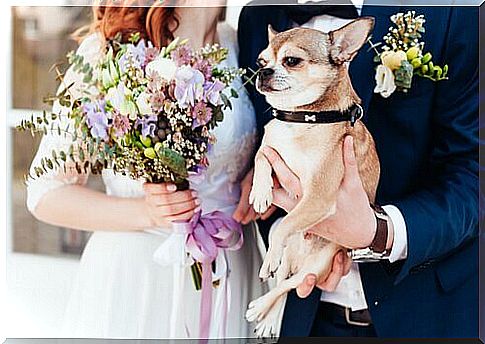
(379, 243)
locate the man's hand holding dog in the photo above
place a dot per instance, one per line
(352, 226)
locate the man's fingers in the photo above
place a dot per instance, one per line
(286, 177)
(330, 284)
(351, 174)
(306, 287)
(347, 264)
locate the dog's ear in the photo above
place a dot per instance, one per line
(271, 33)
(346, 41)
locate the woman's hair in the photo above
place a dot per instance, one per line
(155, 23)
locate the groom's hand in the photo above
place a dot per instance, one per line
(340, 268)
(353, 225)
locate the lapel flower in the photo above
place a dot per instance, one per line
(401, 56)
(385, 84)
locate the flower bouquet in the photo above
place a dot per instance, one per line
(402, 56)
(147, 113)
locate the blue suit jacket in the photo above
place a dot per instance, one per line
(427, 141)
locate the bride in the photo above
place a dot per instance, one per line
(120, 290)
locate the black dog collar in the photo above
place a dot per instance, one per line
(352, 114)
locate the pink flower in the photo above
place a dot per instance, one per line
(201, 113)
(204, 67)
(182, 55)
(121, 124)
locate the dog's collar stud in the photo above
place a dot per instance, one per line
(352, 115)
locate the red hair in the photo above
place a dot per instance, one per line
(155, 23)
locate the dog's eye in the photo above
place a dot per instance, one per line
(292, 61)
(261, 63)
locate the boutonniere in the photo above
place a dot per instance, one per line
(401, 56)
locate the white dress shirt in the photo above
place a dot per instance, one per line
(350, 292)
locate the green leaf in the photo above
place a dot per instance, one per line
(174, 161)
(234, 93)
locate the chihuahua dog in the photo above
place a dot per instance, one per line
(304, 74)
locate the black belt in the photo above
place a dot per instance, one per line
(344, 315)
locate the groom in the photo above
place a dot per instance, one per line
(427, 141)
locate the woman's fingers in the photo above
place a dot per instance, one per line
(268, 213)
(243, 207)
(251, 215)
(305, 288)
(178, 208)
(161, 188)
(181, 217)
(172, 198)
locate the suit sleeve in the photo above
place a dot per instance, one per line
(444, 215)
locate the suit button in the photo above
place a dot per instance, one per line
(376, 303)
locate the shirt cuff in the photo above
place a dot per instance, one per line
(399, 248)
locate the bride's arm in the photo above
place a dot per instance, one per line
(77, 207)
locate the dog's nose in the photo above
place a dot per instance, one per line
(265, 72)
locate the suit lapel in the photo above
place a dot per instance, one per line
(362, 69)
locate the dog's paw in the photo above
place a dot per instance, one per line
(261, 197)
(267, 327)
(271, 263)
(258, 309)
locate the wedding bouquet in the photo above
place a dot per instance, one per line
(148, 113)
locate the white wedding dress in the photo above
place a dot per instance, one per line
(121, 292)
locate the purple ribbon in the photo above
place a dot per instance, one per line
(205, 235)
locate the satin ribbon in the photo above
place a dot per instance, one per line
(204, 235)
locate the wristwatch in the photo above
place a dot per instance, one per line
(377, 249)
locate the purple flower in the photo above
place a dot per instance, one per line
(202, 114)
(148, 125)
(188, 88)
(182, 55)
(121, 125)
(212, 92)
(97, 119)
(135, 54)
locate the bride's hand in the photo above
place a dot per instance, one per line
(244, 212)
(164, 204)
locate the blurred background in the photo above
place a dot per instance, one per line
(42, 260)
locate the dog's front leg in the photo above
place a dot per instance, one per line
(261, 195)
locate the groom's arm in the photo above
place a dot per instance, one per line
(443, 215)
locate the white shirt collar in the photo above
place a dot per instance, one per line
(357, 3)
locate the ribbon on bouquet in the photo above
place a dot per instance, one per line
(201, 237)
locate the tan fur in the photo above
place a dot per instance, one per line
(312, 151)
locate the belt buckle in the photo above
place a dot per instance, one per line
(352, 322)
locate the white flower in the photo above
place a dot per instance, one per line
(164, 67)
(118, 98)
(109, 75)
(143, 103)
(385, 84)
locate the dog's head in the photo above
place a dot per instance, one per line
(299, 65)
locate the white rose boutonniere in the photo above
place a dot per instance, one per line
(401, 56)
